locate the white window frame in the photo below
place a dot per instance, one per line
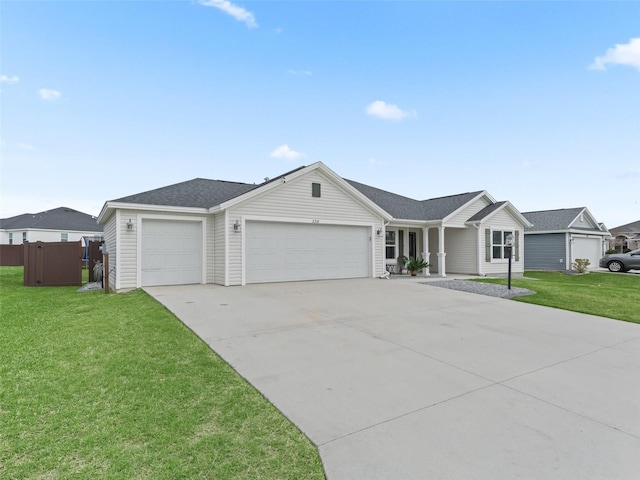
(10, 238)
(64, 237)
(24, 237)
(393, 245)
(502, 245)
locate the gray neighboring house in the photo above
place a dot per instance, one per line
(558, 237)
(58, 225)
(306, 224)
(626, 236)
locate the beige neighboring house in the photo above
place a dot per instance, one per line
(625, 237)
(306, 224)
(58, 225)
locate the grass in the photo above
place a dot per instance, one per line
(114, 386)
(604, 294)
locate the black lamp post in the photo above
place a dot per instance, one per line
(509, 245)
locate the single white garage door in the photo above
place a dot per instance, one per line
(171, 252)
(285, 252)
(589, 248)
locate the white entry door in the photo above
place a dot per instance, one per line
(283, 252)
(171, 252)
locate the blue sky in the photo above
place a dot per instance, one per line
(536, 102)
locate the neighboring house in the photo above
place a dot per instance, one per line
(58, 225)
(626, 237)
(558, 237)
(306, 224)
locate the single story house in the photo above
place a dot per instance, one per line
(58, 225)
(625, 237)
(557, 238)
(306, 224)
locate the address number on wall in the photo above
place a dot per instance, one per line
(315, 221)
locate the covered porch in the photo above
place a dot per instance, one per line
(430, 242)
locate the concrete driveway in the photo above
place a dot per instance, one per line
(400, 380)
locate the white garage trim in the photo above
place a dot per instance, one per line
(181, 218)
(584, 246)
(306, 221)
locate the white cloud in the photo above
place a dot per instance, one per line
(49, 95)
(375, 161)
(283, 151)
(5, 79)
(624, 54)
(387, 111)
(298, 73)
(235, 11)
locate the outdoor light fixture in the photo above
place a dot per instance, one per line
(236, 226)
(129, 225)
(509, 244)
(379, 231)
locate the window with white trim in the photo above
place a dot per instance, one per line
(390, 245)
(499, 247)
(64, 237)
(10, 238)
(24, 237)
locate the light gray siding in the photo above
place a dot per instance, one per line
(502, 220)
(545, 251)
(462, 251)
(218, 248)
(109, 235)
(292, 201)
(459, 219)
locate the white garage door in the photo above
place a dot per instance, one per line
(171, 252)
(284, 252)
(589, 248)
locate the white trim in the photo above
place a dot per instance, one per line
(458, 210)
(571, 231)
(118, 248)
(182, 218)
(226, 248)
(108, 206)
(243, 275)
(513, 211)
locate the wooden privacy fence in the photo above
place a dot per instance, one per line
(49, 264)
(11, 255)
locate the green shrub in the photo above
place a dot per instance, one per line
(580, 265)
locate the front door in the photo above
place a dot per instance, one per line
(412, 245)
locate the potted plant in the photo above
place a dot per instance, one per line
(414, 264)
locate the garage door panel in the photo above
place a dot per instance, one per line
(589, 248)
(277, 252)
(171, 252)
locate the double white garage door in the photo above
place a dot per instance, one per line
(172, 252)
(284, 252)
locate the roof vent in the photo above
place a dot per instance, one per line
(266, 179)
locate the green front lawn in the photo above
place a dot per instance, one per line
(604, 294)
(114, 386)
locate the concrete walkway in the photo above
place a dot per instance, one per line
(399, 380)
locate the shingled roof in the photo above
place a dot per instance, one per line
(199, 193)
(61, 218)
(550, 220)
(409, 209)
(486, 211)
(633, 227)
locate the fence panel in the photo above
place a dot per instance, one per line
(49, 264)
(11, 255)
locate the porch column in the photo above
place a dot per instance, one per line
(425, 248)
(441, 253)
